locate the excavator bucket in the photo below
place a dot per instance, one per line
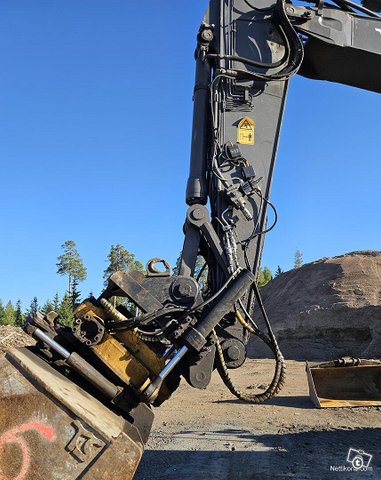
(50, 428)
(346, 382)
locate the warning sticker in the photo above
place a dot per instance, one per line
(245, 131)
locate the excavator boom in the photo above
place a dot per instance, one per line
(79, 403)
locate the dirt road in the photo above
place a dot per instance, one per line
(210, 435)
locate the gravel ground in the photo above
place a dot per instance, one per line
(208, 434)
(200, 434)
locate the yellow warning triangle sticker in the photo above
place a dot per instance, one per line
(245, 131)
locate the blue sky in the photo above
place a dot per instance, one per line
(95, 124)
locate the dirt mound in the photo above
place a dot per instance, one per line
(327, 308)
(13, 337)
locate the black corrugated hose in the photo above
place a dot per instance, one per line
(280, 366)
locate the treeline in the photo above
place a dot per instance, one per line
(14, 314)
(265, 275)
(69, 264)
(11, 314)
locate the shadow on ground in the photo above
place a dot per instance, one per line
(307, 456)
(294, 401)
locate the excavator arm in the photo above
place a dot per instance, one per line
(94, 383)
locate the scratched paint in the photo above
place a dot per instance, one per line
(15, 436)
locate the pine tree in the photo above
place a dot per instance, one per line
(75, 294)
(33, 307)
(1, 313)
(264, 277)
(47, 307)
(298, 258)
(120, 259)
(9, 314)
(19, 317)
(65, 310)
(278, 271)
(56, 302)
(71, 264)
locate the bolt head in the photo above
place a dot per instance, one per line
(233, 352)
(207, 35)
(197, 214)
(185, 290)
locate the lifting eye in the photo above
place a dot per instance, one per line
(152, 271)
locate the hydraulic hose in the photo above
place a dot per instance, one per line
(279, 377)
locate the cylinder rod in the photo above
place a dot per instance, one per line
(77, 363)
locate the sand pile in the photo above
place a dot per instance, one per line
(327, 308)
